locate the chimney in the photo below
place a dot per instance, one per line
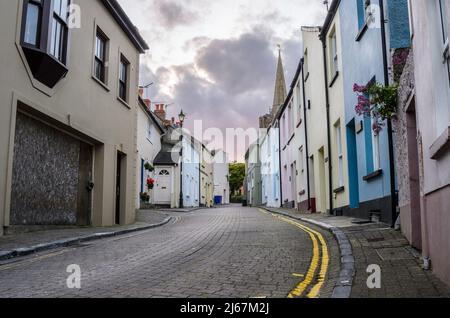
(160, 112)
(148, 103)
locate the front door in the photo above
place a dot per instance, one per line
(163, 187)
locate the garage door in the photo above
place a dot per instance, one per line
(51, 171)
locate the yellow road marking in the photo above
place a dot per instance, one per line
(298, 275)
(31, 261)
(315, 237)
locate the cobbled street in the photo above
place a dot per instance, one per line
(222, 252)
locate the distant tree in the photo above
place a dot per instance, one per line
(237, 176)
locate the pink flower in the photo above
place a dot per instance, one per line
(359, 89)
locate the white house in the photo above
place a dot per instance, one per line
(221, 171)
(149, 132)
(270, 167)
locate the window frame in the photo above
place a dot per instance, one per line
(123, 83)
(376, 148)
(57, 19)
(38, 36)
(100, 35)
(445, 32)
(333, 55)
(340, 153)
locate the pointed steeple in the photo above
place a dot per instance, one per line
(280, 86)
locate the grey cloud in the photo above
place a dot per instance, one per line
(172, 14)
(243, 74)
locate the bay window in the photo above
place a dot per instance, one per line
(44, 39)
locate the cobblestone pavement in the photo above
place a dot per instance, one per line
(222, 252)
(377, 244)
(401, 273)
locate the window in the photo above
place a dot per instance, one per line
(60, 29)
(306, 65)
(376, 149)
(149, 130)
(123, 78)
(445, 33)
(333, 54)
(33, 22)
(299, 101)
(338, 131)
(44, 39)
(101, 42)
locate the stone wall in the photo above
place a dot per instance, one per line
(406, 86)
(45, 175)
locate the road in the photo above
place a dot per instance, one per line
(221, 252)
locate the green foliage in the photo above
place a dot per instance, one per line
(384, 99)
(237, 176)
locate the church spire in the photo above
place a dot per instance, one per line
(280, 86)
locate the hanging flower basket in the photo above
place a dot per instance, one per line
(149, 167)
(150, 183)
(378, 102)
(145, 197)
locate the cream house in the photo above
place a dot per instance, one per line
(206, 178)
(221, 170)
(313, 69)
(68, 113)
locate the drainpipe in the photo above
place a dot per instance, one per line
(389, 121)
(327, 98)
(279, 160)
(306, 136)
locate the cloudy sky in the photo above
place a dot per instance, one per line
(216, 59)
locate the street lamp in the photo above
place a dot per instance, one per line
(181, 118)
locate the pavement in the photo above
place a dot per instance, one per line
(212, 253)
(16, 245)
(402, 275)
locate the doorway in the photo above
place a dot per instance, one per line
(414, 176)
(322, 195)
(120, 187)
(353, 165)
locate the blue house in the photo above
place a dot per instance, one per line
(372, 186)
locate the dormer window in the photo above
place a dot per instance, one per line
(44, 39)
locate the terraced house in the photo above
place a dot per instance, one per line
(314, 99)
(68, 117)
(363, 157)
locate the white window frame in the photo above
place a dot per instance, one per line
(376, 148)
(334, 58)
(340, 153)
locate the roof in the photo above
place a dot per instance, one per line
(291, 91)
(151, 115)
(167, 157)
(330, 16)
(280, 86)
(125, 23)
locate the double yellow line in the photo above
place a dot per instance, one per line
(320, 258)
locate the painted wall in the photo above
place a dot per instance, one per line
(148, 146)
(363, 63)
(433, 119)
(270, 167)
(253, 166)
(316, 116)
(207, 179)
(191, 173)
(77, 103)
(293, 151)
(337, 111)
(221, 170)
